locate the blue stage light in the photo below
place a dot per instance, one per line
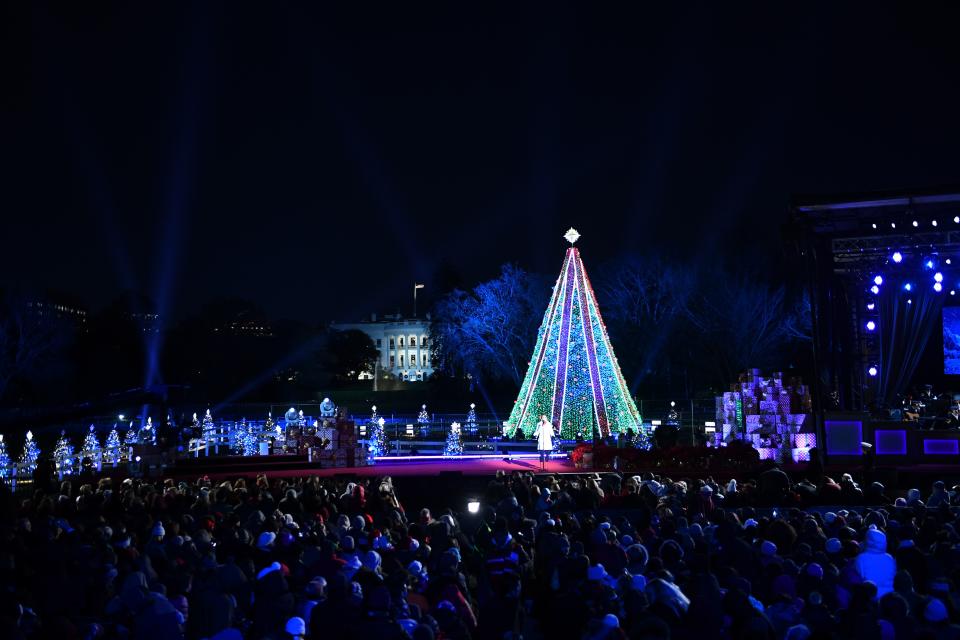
(909, 300)
(956, 219)
(938, 276)
(934, 223)
(871, 306)
(897, 257)
(937, 287)
(953, 292)
(875, 289)
(878, 279)
(873, 371)
(916, 224)
(893, 225)
(928, 264)
(908, 287)
(871, 325)
(948, 261)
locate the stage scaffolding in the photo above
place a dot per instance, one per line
(844, 242)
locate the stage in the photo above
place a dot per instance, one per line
(422, 466)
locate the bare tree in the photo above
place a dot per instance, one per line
(29, 336)
(490, 330)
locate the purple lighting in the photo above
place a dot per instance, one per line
(932, 447)
(844, 437)
(891, 443)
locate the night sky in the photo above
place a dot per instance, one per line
(320, 159)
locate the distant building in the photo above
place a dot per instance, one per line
(403, 343)
(61, 311)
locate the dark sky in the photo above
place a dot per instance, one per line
(319, 159)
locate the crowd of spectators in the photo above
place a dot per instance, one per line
(585, 556)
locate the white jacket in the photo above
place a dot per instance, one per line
(544, 435)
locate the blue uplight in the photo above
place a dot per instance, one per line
(897, 257)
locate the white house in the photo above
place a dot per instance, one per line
(403, 343)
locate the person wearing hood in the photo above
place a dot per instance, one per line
(273, 603)
(875, 564)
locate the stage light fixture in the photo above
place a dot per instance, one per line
(473, 506)
(874, 225)
(873, 371)
(916, 224)
(948, 261)
(938, 276)
(897, 257)
(878, 279)
(934, 223)
(908, 287)
(953, 292)
(893, 225)
(956, 219)
(871, 306)
(909, 300)
(937, 287)
(871, 325)
(875, 289)
(928, 264)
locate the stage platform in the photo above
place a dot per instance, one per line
(298, 466)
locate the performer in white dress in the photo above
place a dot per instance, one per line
(544, 435)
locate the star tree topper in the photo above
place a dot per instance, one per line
(571, 235)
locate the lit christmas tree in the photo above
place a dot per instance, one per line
(238, 435)
(454, 441)
(423, 419)
(377, 442)
(209, 431)
(4, 460)
(573, 377)
(30, 453)
(269, 427)
(111, 450)
(470, 426)
(91, 447)
(301, 421)
(131, 437)
(63, 455)
(251, 441)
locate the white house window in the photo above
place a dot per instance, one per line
(379, 341)
(424, 359)
(401, 341)
(401, 359)
(391, 343)
(413, 341)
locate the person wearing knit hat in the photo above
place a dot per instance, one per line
(829, 518)
(935, 611)
(768, 548)
(750, 522)
(371, 561)
(296, 627)
(158, 531)
(266, 540)
(611, 621)
(833, 546)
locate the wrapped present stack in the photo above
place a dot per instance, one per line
(772, 413)
(335, 445)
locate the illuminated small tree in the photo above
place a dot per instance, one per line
(454, 441)
(377, 443)
(63, 455)
(4, 460)
(91, 447)
(423, 419)
(470, 426)
(111, 450)
(30, 453)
